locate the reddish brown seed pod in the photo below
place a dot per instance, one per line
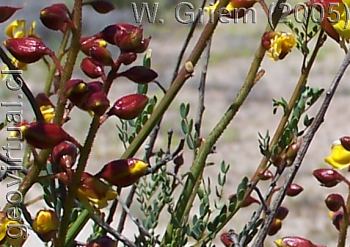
(281, 213)
(295, 241)
(86, 43)
(64, 154)
(6, 12)
(96, 102)
(334, 202)
(103, 241)
(129, 106)
(345, 142)
(275, 226)
(123, 172)
(28, 49)
(127, 58)
(294, 190)
(46, 135)
(56, 17)
(226, 239)
(128, 37)
(91, 68)
(102, 7)
(101, 55)
(327, 177)
(140, 74)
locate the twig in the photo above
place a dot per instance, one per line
(187, 41)
(345, 223)
(20, 81)
(167, 158)
(128, 203)
(136, 221)
(201, 93)
(303, 149)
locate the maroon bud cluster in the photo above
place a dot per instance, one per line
(127, 37)
(87, 96)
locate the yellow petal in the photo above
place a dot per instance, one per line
(16, 29)
(32, 28)
(279, 242)
(339, 157)
(139, 167)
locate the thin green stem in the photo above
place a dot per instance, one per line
(61, 52)
(70, 62)
(278, 132)
(184, 73)
(345, 223)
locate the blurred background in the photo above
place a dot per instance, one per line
(233, 47)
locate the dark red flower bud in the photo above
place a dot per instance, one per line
(127, 37)
(103, 241)
(45, 135)
(337, 219)
(129, 106)
(226, 239)
(334, 202)
(28, 49)
(96, 102)
(266, 175)
(101, 55)
(91, 68)
(124, 172)
(294, 190)
(275, 226)
(240, 7)
(76, 90)
(140, 74)
(281, 213)
(127, 57)
(64, 154)
(295, 242)
(266, 39)
(6, 12)
(345, 142)
(101, 6)
(43, 100)
(327, 177)
(87, 42)
(56, 17)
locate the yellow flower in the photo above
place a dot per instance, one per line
(230, 7)
(280, 45)
(95, 191)
(340, 19)
(8, 226)
(18, 29)
(45, 221)
(48, 112)
(339, 157)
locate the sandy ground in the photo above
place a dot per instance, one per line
(232, 50)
